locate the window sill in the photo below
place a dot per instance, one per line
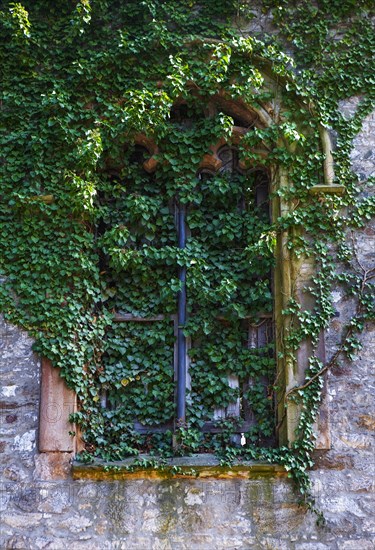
(195, 466)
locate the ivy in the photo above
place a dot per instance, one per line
(87, 231)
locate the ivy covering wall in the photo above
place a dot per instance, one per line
(80, 218)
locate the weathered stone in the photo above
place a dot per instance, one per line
(21, 543)
(332, 461)
(11, 474)
(27, 499)
(4, 499)
(367, 421)
(312, 546)
(50, 466)
(6, 405)
(358, 544)
(22, 520)
(57, 402)
(344, 504)
(43, 542)
(360, 483)
(271, 543)
(9, 391)
(56, 543)
(25, 442)
(76, 524)
(53, 498)
(355, 441)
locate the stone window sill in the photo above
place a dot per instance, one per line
(195, 466)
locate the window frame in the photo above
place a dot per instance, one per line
(290, 371)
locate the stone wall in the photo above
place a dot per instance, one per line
(42, 507)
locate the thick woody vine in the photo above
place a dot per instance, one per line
(81, 81)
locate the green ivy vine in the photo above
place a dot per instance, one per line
(87, 232)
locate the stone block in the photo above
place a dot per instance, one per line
(343, 505)
(56, 403)
(14, 472)
(332, 461)
(367, 421)
(272, 543)
(356, 544)
(75, 524)
(312, 546)
(18, 542)
(25, 442)
(354, 441)
(52, 466)
(26, 498)
(23, 521)
(368, 527)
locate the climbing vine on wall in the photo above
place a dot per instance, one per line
(81, 219)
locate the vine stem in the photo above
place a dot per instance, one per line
(367, 275)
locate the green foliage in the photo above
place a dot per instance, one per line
(86, 231)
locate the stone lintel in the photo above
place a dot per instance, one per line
(202, 466)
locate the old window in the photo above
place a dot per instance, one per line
(191, 354)
(188, 270)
